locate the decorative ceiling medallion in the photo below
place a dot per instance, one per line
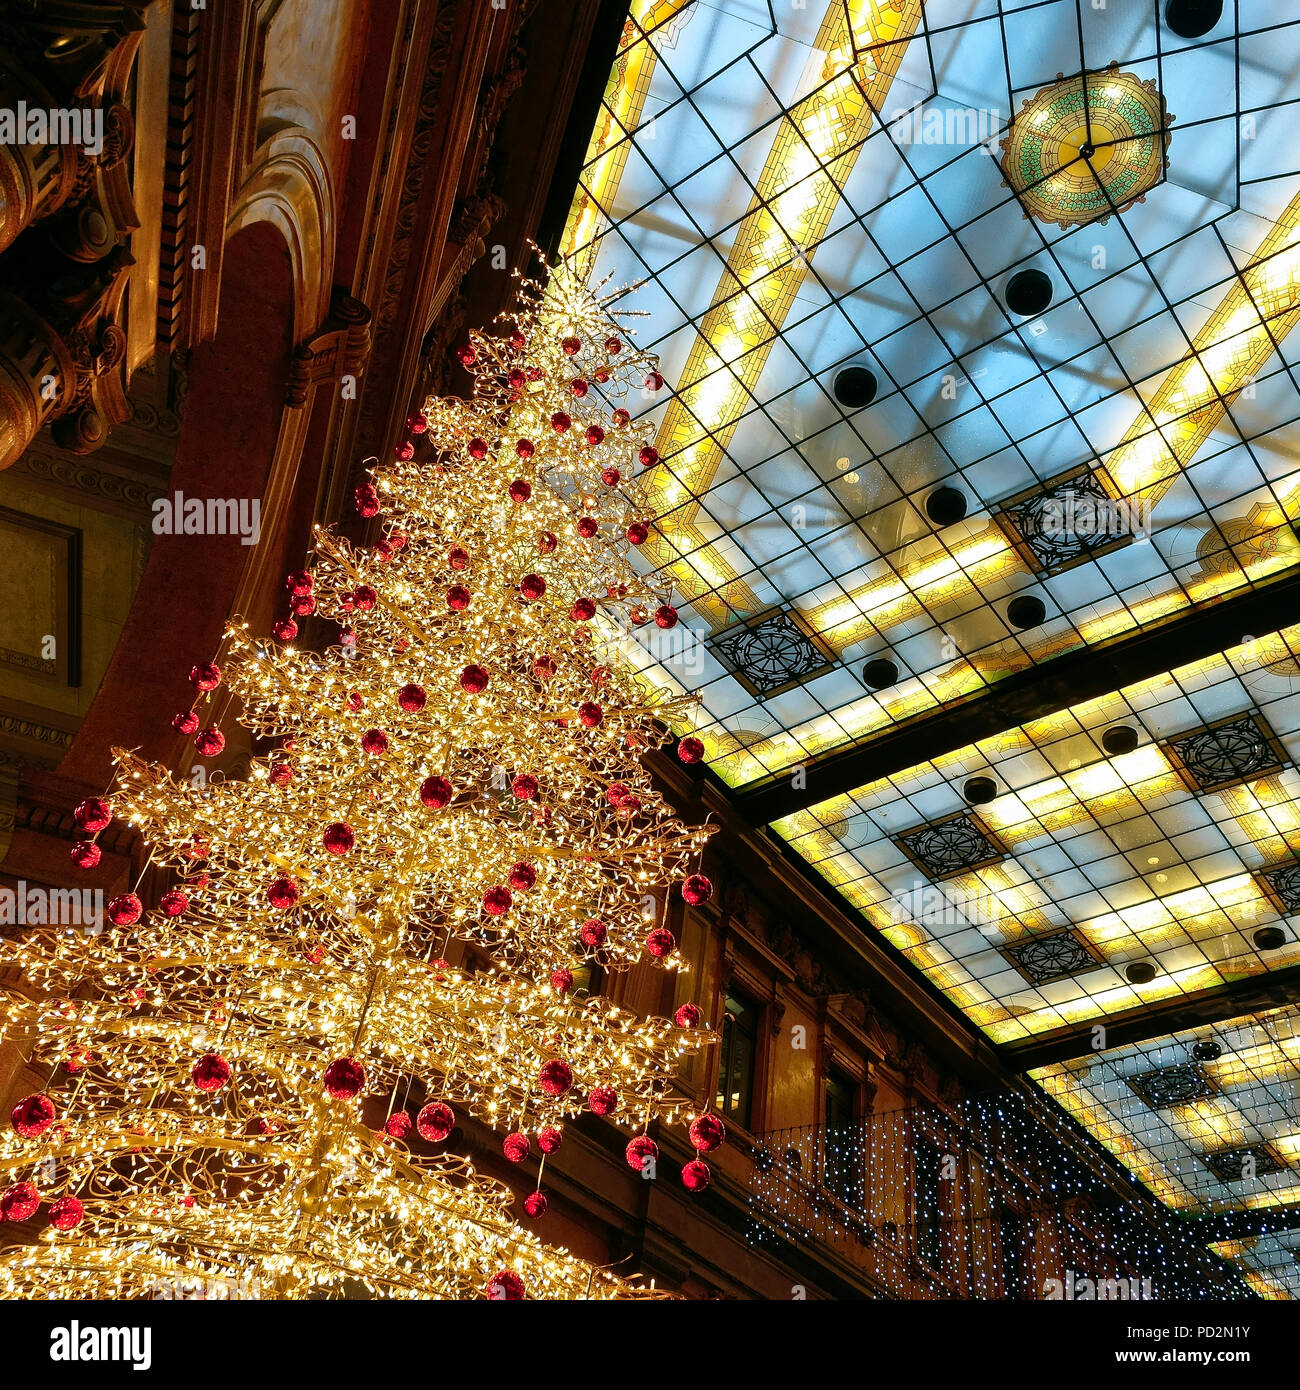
(1176, 1085)
(1246, 1164)
(771, 653)
(954, 845)
(1067, 520)
(1232, 750)
(1041, 959)
(1282, 884)
(1087, 146)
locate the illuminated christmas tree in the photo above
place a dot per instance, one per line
(231, 1073)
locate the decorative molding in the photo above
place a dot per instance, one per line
(339, 349)
(88, 481)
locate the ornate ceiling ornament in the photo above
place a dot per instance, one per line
(1087, 146)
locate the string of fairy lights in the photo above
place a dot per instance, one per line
(984, 1198)
(226, 1074)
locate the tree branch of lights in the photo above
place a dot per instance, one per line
(227, 1073)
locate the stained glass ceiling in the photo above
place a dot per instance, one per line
(811, 189)
(975, 316)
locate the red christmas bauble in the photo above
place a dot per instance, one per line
(496, 901)
(93, 814)
(124, 910)
(66, 1213)
(520, 490)
(517, 341)
(281, 774)
(616, 792)
(185, 722)
(594, 435)
(364, 597)
(660, 943)
(560, 421)
(436, 1121)
(457, 557)
(571, 346)
(339, 838)
(210, 1072)
(610, 477)
(515, 1147)
(641, 1149)
(522, 877)
(593, 932)
(665, 616)
(282, 893)
(385, 550)
(458, 598)
(549, 1139)
(85, 854)
(366, 499)
(477, 448)
(587, 527)
(435, 792)
(524, 787)
(298, 582)
(555, 1077)
(403, 451)
(466, 355)
(654, 382)
(621, 418)
(648, 456)
(688, 1016)
(601, 374)
(696, 1175)
(209, 742)
(697, 889)
(603, 1100)
(474, 680)
(543, 668)
(32, 1116)
(173, 902)
(532, 587)
(206, 675)
(708, 1133)
(613, 345)
(525, 448)
(562, 980)
(302, 605)
(578, 387)
(19, 1202)
(690, 750)
(505, 1286)
(546, 543)
(348, 637)
(535, 1205)
(374, 742)
(398, 1125)
(417, 424)
(344, 1079)
(284, 629)
(411, 698)
(583, 610)
(590, 714)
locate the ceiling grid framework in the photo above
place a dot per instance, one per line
(805, 192)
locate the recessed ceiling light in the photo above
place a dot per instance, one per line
(1141, 972)
(855, 387)
(1121, 739)
(1190, 19)
(1028, 293)
(1270, 938)
(946, 506)
(880, 673)
(1154, 859)
(979, 791)
(1026, 611)
(1207, 1050)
